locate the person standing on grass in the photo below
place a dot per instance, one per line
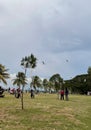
(17, 93)
(66, 94)
(32, 93)
(62, 94)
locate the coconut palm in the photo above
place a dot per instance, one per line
(29, 62)
(36, 82)
(24, 63)
(3, 74)
(20, 80)
(32, 61)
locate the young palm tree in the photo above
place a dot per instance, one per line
(20, 80)
(3, 74)
(29, 62)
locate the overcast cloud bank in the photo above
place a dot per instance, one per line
(55, 31)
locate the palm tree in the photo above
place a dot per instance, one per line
(24, 63)
(20, 80)
(29, 62)
(36, 82)
(32, 60)
(3, 74)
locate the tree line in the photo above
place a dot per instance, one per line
(80, 84)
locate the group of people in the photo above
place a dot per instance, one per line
(63, 93)
(18, 93)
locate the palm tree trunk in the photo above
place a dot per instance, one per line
(25, 71)
(22, 93)
(22, 98)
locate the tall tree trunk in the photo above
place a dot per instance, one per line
(22, 98)
(25, 71)
(22, 93)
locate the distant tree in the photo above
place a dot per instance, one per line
(89, 70)
(50, 86)
(3, 74)
(36, 82)
(80, 84)
(20, 80)
(57, 81)
(45, 84)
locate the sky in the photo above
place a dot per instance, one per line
(57, 32)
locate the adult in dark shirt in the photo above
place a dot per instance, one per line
(32, 93)
(66, 94)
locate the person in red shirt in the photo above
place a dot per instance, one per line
(62, 94)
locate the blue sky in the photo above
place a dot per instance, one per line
(57, 32)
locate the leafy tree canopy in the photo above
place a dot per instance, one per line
(57, 81)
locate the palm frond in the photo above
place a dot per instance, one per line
(3, 74)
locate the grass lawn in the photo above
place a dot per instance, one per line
(45, 112)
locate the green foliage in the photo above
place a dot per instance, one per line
(89, 70)
(46, 85)
(80, 84)
(20, 79)
(56, 81)
(36, 82)
(3, 74)
(29, 61)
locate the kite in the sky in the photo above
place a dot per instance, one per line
(67, 61)
(43, 62)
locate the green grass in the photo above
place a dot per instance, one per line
(45, 112)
